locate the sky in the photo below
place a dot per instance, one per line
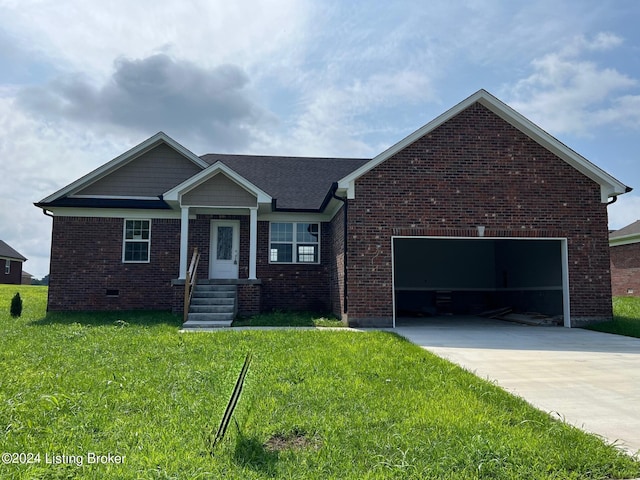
(83, 81)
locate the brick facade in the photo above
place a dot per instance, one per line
(87, 272)
(337, 264)
(476, 169)
(295, 286)
(14, 276)
(625, 269)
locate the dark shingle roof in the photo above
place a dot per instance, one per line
(295, 182)
(631, 229)
(7, 252)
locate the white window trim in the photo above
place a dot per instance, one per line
(294, 244)
(7, 267)
(124, 240)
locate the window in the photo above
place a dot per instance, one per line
(137, 241)
(7, 267)
(294, 243)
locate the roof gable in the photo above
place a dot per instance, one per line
(8, 252)
(97, 183)
(193, 185)
(626, 235)
(609, 186)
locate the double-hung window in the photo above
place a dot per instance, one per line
(137, 241)
(7, 267)
(294, 242)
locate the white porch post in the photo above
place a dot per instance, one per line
(253, 242)
(184, 242)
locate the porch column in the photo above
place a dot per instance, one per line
(253, 242)
(184, 242)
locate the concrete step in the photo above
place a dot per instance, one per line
(212, 309)
(211, 294)
(198, 325)
(212, 306)
(214, 288)
(213, 301)
(210, 317)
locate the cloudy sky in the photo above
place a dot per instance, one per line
(81, 82)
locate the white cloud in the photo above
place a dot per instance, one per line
(81, 35)
(568, 94)
(152, 94)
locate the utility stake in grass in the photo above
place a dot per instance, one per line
(233, 401)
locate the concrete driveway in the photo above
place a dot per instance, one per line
(589, 379)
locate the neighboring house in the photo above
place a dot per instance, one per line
(478, 209)
(11, 265)
(625, 260)
(27, 278)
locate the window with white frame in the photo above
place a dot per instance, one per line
(137, 241)
(294, 242)
(7, 267)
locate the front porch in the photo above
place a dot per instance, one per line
(219, 219)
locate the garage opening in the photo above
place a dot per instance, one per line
(436, 276)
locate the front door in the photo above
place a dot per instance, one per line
(225, 246)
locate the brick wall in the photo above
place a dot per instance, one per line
(474, 170)
(295, 286)
(86, 264)
(625, 270)
(337, 264)
(14, 276)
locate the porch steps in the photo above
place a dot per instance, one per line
(212, 305)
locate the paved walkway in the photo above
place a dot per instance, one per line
(589, 379)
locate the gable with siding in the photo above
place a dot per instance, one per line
(149, 175)
(219, 191)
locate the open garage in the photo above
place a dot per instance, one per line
(471, 276)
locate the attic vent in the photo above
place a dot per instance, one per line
(113, 293)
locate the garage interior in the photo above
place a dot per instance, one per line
(476, 276)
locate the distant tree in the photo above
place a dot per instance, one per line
(43, 281)
(16, 306)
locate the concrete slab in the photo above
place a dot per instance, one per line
(588, 379)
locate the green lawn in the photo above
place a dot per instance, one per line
(293, 319)
(626, 318)
(316, 405)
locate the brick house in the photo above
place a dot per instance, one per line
(11, 263)
(478, 209)
(624, 247)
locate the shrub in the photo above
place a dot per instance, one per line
(16, 305)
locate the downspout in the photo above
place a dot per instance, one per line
(345, 284)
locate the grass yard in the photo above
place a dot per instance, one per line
(626, 318)
(316, 405)
(292, 319)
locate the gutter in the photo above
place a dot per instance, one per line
(345, 284)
